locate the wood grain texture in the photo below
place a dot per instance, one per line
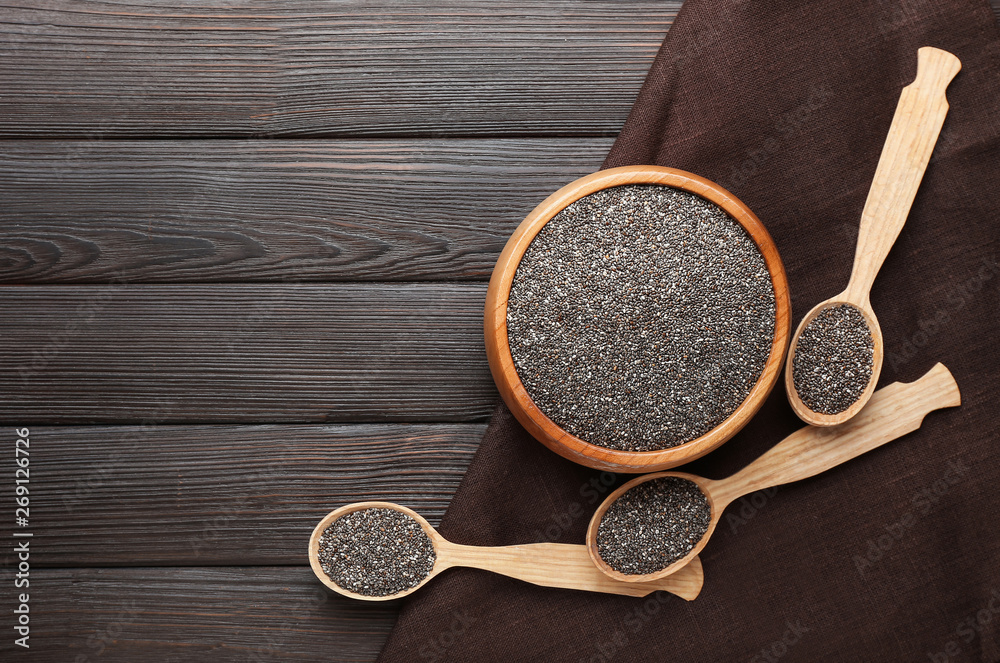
(894, 411)
(98, 205)
(914, 132)
(358, 68)
(216, 495)
(242, 354)
(304, 210)
(175, 615)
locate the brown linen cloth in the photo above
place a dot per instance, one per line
(894, 556)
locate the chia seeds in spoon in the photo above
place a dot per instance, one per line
(376, 552)
(640, 317)
(652, 525)
(833, 360)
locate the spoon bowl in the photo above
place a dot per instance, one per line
(333, 516)
(804, 411)
(894, 411)
(560, 565)
(914, 131)
(716, 509)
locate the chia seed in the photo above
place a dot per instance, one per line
(376, 552)
(833, 360)
(640, 317)
(652, 525)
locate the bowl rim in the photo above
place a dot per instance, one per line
(513, 392)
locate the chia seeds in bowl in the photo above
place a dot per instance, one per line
(652, 525)
(640, 317)
(376, 552)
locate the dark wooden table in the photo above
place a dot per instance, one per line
(244, 248)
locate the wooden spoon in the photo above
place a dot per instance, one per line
(894, 411)
(547, 564)
(914, 132)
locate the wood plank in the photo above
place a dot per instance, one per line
(243, 354)
(223, 495)
(99, 69)
(360, 68)
(182, 211)
(169, 615)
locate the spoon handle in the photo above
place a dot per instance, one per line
(914, 132)
(892, 412)
(567, 566)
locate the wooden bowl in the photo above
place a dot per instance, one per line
(502, 364)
